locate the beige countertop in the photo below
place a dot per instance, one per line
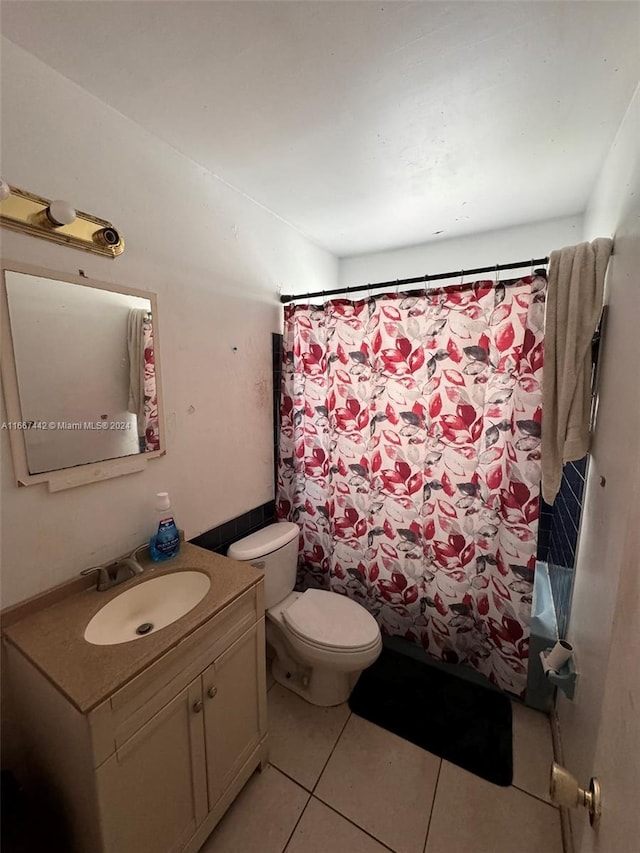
(53, 638)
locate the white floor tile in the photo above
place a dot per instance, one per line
(321, 830)
(262, 817)
(532, 751)
(471, 815)
(382, 783)
(301, 736)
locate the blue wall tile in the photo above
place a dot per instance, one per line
(544, 530)
(219, 538)
(558, 536)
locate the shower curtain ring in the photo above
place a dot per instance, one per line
(397, 285)
(497, 274)
(461, 277)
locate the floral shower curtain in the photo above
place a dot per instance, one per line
(151, 422)
(410, 459)
(143, 397)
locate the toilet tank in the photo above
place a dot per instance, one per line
(275, 550)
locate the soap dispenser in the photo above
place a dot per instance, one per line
(165, 543)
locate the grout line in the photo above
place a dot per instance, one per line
(353, 823)
(297, 781)
(433, 803)
(290, 778)
(578, 499)
(314, 787)
(291, 834)
(563, 543)
(568, 513)
(324, 766)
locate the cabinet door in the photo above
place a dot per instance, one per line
(152, 791)
(235, 713)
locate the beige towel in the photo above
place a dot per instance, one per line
(135, 346)
(574, 305)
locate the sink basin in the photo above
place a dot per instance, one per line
(147, 607)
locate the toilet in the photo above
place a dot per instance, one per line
(321, 640)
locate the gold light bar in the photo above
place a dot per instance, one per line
(29, 213)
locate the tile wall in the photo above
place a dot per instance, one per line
(219, 538)
(558, 536)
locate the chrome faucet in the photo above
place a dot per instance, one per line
(115, 572)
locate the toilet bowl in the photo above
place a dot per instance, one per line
(321, 640)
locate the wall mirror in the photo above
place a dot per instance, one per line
(81, 377)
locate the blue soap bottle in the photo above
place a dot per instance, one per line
(165, 543)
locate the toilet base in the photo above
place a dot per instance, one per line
(304, 670)
(317, 685)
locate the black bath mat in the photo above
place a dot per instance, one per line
(465, 723)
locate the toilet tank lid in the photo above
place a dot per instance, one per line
(264, 541)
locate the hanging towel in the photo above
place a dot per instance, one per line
(135, 346)
(574, 305)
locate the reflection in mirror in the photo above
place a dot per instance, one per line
(85, 367)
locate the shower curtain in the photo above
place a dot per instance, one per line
(151, 421)
(410, 459)
(143, 398)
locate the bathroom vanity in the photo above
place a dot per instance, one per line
(143, 745)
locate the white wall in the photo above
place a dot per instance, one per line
(477, 250)
(216, 260)
(604, 626)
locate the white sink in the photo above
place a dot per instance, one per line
(147, 607)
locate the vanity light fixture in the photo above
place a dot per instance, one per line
(57, 221)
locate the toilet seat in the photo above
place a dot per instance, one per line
(332, 622)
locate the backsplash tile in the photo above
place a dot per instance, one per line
(219, 538)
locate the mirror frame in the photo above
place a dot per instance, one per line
(91, 472)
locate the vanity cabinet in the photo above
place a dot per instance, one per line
(153, 768)
(232, 727)
(152, 792)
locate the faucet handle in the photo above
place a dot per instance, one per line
(104, 577)
(116, 571)
(92, 570)
(132, 555)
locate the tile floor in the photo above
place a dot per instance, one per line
(339, 784)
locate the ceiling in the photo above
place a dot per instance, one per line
(366, 125)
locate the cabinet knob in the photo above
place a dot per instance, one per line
(197, 706)
(212, 692)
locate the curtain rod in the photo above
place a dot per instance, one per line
(292, 297)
